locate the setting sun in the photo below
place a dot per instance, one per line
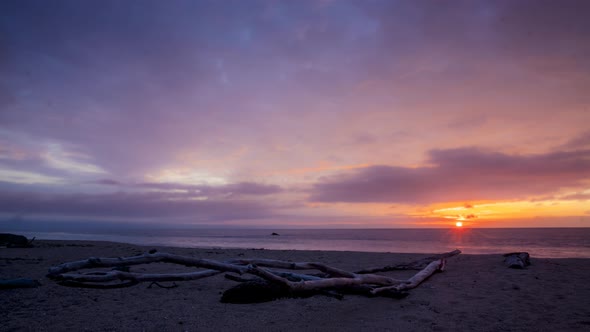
(459, 224)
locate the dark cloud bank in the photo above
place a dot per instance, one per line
(199, 203)
(457, 175)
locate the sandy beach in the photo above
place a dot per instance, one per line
(475, 293)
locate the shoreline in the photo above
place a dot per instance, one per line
(475, 293)
(563, 245)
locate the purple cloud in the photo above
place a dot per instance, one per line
(458, 174)
(131, 205)
(107, 182)
(578, 142)
(187, 75)
(577, 197)
(241, 188)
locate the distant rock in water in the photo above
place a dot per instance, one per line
(14, 241)
(275, 234)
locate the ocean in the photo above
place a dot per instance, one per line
(539, 242)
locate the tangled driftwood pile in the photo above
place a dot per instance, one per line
(271, 280)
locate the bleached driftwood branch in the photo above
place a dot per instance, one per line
(146, 258)
(417, 279)
(138, 277)
(286, 283)
(416, 265)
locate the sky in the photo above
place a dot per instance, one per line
(295, 113)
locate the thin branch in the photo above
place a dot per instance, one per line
(338, 282)
(416, 265)
(294, 266)
(72, 283)
(174, 285)
(138, 277)
(146, 258)
(332, 271)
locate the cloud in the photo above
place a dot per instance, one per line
(578, 142)
(576, 197)
(287, 91)
(157, 69)
(364, 139)
(132, 205)
(57, 158)
(22, 154)
(241, 188)
(24, 177)
(458, 174)
(107, 182)
(249, 188)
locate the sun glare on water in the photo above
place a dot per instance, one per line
(459, 224)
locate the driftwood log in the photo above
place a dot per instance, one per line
(269, 282)
(517, 260)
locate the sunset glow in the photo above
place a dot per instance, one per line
(296, 113)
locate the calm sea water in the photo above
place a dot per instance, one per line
(539, 242)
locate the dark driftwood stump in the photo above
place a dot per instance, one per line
(258, 290)
(517, 260)
(254, 291)
(14, 241)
